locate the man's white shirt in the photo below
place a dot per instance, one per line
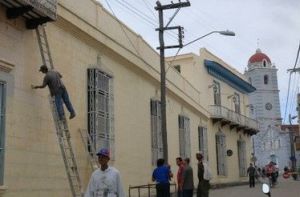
(105, 183)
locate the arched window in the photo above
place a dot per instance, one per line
(266, 79)
(265, 63)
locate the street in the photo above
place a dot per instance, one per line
(285, 188)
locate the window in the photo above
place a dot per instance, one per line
(156, 134)
(242, 157)
(178, 68)
(217, 93)
(203, 147)
(2, 129)
(266, 79)
(236, 101)
(184, 137)
(221, 153)
(265, 63)
(100, 110)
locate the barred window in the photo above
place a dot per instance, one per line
(184, 137)
(221, 153)
(100, 110)
(2, 129)
(242, 157)
(156, 134)
(203, 147)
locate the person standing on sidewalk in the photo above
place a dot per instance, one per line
(161, 175)
(204, 176)
(251, 171)
(188, 179)
(180, 165)
(106, 180)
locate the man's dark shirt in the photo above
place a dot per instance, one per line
(52, 80)
(251, 171)
(200, 171)
(188, 180)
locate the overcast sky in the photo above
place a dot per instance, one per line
(271, 25)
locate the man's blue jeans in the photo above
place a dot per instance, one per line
(60, 97)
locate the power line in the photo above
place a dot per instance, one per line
(149, 8)
(143, 16)
(288, 93)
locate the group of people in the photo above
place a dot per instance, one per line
(185, 179)
(270, 171)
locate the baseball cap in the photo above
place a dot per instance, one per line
(103, 152)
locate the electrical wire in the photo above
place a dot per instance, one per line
(288, 93)
(145, 17)
(149, 8)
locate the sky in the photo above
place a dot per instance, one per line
(271, 25)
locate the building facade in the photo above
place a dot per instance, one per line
(112, 76)
(224, 94)
(271, 143)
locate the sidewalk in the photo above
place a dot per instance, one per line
(285, 188)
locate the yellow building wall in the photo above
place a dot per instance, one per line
(192, 68)
(84, 33)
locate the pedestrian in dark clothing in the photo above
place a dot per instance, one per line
(251, 171)
(204, 175)
(161, 175)
(188, 180)
(57, 89)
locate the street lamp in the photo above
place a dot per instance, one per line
(163, 85)
(224, 33)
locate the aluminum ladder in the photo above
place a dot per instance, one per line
(89, 148)
(61, 125)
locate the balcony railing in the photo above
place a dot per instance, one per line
(220, 113)
(45, 7)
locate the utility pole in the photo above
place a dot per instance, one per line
(160, 8)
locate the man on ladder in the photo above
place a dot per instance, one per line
(57, 89)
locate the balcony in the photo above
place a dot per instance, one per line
(234, 120)
(35, 12)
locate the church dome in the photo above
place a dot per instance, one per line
(259, 60)
(259, 57)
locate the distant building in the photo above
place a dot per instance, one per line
(224, 94)
(271, 143)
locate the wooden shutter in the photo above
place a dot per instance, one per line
(221, 154)
(184, 136)
(156, 134)
(202, 137)
(242, 158)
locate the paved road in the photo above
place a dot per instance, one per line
(285, 188)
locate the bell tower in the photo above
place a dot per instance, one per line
(264, 102)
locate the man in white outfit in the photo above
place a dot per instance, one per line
(105, 181)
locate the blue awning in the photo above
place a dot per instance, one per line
(220, 72)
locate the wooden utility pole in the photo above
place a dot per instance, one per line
(160, 8)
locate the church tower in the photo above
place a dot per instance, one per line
(264, 102)
(270, 144)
